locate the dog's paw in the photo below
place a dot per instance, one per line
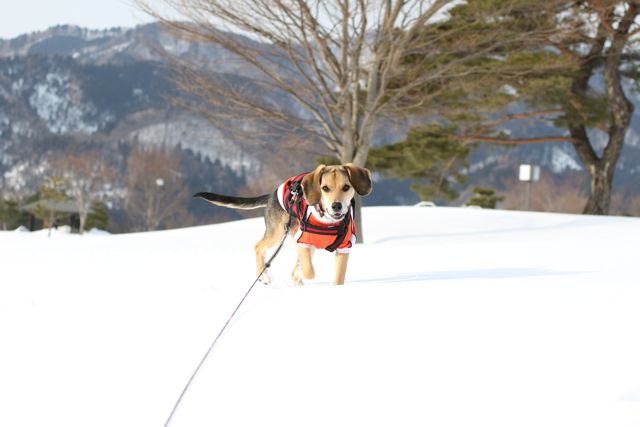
(265, 278)
(308, 274)
(297, 279)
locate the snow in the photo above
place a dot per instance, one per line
(199, 136)
(509, 90)
(22, 174)
(632, 139)
(58, 102)
(450, 317)
(98, 232)
(562, 161)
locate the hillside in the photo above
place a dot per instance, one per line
(450, 317)
(71, 87)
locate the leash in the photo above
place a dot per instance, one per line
(213, 344)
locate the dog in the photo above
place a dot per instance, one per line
(318, 206)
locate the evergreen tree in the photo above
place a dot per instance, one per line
(52, 190)
(485, 198)
(98, 216)
(429, 157)
(10, 215)
(552, 78)
(462, 105)
(612, 52)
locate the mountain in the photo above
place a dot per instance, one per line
(488, 161)
(69, 87)
(118, 46)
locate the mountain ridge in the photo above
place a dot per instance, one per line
(110, 87)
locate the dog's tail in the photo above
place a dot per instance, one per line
(235, 202)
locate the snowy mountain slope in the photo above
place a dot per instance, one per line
(109, 87)
(450, 317)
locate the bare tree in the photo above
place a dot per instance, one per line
(338, 64)
(155, 189)
(87, 179)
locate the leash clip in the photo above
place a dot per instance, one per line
(295, 189)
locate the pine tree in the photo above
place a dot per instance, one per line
(10, 215)
(461, 105)
(98, 216)
(485, 198)
(52, 190)
(551, 79)
(429, 157)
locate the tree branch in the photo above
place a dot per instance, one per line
(518, 141)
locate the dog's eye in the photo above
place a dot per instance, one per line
(346, 188)
(325, 188)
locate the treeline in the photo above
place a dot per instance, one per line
(86, 187)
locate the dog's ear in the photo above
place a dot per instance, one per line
(311, 185)
(360, 179)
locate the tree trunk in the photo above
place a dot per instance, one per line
(601, 172)
(621, 110)
(600, 178)
(357, 212)
(83, 220)
(358, 158)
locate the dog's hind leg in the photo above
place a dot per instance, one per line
(295, 274)
(271, 238)
(275, 219)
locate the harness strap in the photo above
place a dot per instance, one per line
(343, 228)
(296, 206)
(293, 198)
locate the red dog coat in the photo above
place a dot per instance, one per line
(316, 230)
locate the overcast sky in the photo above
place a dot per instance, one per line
(24, 16)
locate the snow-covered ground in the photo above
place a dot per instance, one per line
(450, 317)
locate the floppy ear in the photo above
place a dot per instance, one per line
(311, 185)
(360, 179)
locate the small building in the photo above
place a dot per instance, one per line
(62, 213)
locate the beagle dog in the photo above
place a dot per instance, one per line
(318, 206)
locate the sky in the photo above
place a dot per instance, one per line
(25, 16)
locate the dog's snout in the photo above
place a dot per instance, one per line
(336, 206)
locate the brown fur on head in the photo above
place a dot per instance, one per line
(360, 178)
(311, 185)
(333, 187)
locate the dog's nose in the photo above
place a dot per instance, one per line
(336, 206)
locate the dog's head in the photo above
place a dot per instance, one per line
(333, 187)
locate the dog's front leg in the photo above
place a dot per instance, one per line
(304, 267)
(341, 267)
